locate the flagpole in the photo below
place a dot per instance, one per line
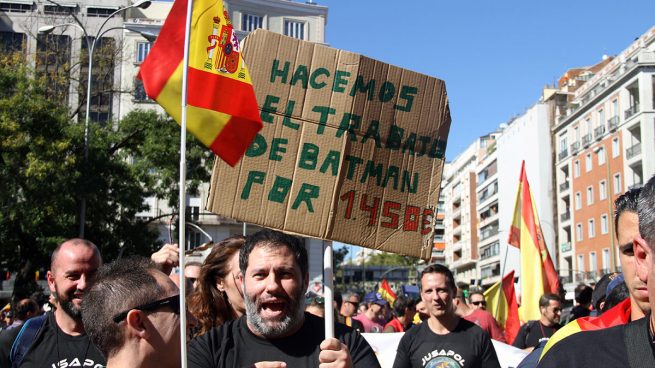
(502, 274)
(182, 186)
(328, 288)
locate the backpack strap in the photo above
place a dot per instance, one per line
(637, 343)
(25, 339)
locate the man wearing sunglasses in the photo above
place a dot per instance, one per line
(477, 300)
(132, 314)
(276, 331)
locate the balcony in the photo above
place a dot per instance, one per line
(613, 123)
(563, 153)
(599, 132)
(566, 216)
(565, 247)
(586, 140)
(564, 186)
(575, 147)
(488, 233)
(631, 111)
(633, 151)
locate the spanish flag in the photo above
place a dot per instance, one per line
(221, 106)
(386, 292)
(617, 315)
(501, 303)
(538, 275)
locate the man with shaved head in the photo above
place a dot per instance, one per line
(58, 338)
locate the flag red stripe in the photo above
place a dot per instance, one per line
(235, 138)
(204, 87)
(163, 59)
(512, 322)
(527, 208)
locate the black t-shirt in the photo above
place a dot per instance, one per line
(233, 345)
(598, 348)
(532, 333)
(577, 312)
(467, 346)
(54, 348)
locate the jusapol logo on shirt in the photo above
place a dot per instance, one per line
(64, 363)
(442, 359)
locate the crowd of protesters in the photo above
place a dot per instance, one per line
(249, 305)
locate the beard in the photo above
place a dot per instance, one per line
(67, 305)
(294, 316)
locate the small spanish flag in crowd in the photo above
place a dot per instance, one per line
(221, 106)
(386, 292)
(502, 304)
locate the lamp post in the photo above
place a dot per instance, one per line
(610, 215)
(143, 4)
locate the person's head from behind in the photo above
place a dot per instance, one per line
(644, 243)
(218, 296)
(550, 307)
(73, 266)
(583, 294)
(626, 223)
(616, 293)
(349, 304)
(132, 312)
(275, 277)
(477, 300)
(315, 304)
(25, 309)
(438, 290)
(404, 307)
(422, 310)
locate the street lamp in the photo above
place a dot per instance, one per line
(610, 217)
(143, 4)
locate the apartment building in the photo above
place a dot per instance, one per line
(461, 217)
(604, 130)
(487, 217)
(439, 249)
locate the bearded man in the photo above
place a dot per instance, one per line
(276, 331)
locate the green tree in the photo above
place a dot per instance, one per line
(43, 175)
(391, 259)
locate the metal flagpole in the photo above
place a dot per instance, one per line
(502, 275)
(328, 288)
(182, 186)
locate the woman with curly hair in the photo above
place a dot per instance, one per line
(218, 297)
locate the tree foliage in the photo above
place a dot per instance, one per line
(43, 175)
(391, 259)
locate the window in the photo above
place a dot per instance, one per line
(615, 107)
(576, 168)
(601, 117)
(100, 12)
(617, 183)
(580, 262)
(615, 147)
(590, 195)
(294, 29)
(591, 228)
(593, 263)
(603, 224)
(142, 50)
(602, 190)
(63, 9)
(578, 232)
(588, 162)
(16, 8)
(562, 143)
(251, 22)
(606, 259)
(12, 42)
(601, 156)
(139, 92)
(578, 201)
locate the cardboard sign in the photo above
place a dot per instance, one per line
(352, 149)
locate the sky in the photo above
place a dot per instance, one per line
(495, 56)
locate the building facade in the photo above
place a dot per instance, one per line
(604, 131)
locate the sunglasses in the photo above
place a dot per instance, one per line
(481, 302)
(351, 303)
(173, 302)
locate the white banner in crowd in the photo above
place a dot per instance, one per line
(385, 344)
